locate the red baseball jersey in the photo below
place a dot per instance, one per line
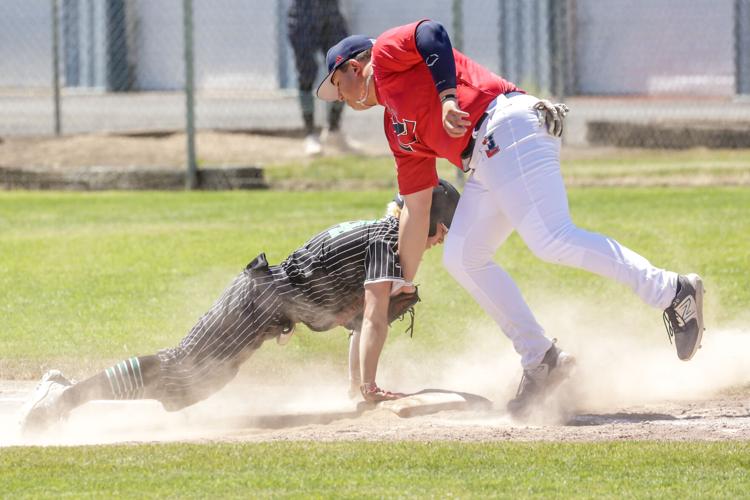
(413, 118)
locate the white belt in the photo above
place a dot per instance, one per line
(501, 101)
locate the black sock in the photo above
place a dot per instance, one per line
(334, 116)
(309, 123)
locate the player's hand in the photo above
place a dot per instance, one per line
(552, 116)
(374, 394)
(455, 122)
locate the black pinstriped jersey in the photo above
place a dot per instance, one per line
(323, 281)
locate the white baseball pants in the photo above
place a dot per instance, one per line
(516, 184)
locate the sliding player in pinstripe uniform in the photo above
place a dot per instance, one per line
(345, 275)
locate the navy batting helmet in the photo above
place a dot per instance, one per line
(444, 201)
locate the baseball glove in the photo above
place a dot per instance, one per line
(402, 304)
(398, 307)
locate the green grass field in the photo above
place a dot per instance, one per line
(583, 166)
(89, 278)
(382, 470)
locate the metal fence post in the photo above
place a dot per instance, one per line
(742, 46)
(56, 64)
(458, 24)
(458, 43)
(562, 53)
(281, 44)
(191, 179)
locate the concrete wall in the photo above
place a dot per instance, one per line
(25, 43)
(621, 46)
(480, 27)
(655, 47)
(235, 44)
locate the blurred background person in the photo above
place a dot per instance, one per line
(313, 26)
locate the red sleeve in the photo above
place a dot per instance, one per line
(415, 173)
(396, 49)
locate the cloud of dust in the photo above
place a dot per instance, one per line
(623, 359)
(307, 388)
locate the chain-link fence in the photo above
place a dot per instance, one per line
(627, 67)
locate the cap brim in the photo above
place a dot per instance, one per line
(327, 90)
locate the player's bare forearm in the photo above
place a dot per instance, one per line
(355, 376)
(374, 329)
(413, 228)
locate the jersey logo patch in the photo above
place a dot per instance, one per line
(490, 148)
(406, 133)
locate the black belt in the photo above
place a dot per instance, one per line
(469, 149)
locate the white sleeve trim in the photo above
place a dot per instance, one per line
(387, 278)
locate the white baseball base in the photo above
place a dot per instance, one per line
(433, 401)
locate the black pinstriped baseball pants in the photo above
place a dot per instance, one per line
(248, 313)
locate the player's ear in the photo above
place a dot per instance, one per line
(356, 66)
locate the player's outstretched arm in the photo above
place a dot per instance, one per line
(412, 233)
(355, 376)
(374, 328)
(373, 335)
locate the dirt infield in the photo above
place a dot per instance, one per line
(714, 419)
(154, 150)
(721, 417)
(66, 161)
(643, 393)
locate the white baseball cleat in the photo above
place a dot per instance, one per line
(337, 142)
(313, 146)
(44, 407)
(684, 316)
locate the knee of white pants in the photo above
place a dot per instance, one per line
(458, 259)
(553, 248)
(549, 251)
(452, 256)
(458, 262)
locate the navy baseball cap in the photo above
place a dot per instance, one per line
(337, 55)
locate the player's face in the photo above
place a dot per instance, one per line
(351, 85)
(439, 237)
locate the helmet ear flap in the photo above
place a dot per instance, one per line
(444, 202)
(433, 228)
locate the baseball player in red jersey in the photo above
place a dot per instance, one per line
(441, 104)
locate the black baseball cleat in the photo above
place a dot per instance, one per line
(45, 408)
(684, 316)
(537, 383)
